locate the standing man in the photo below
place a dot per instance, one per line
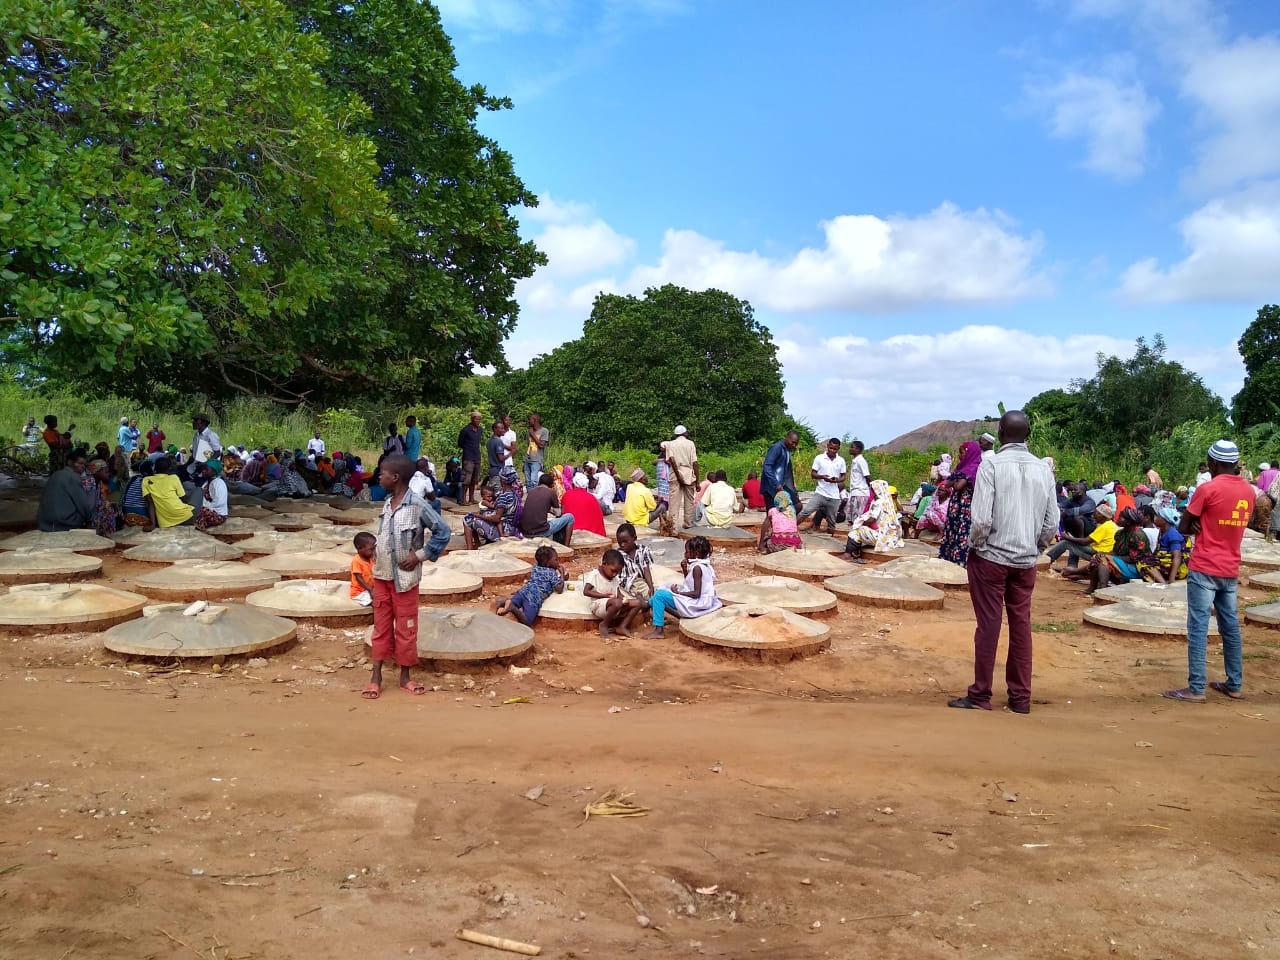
(412, 438)
(497, 452)
(987, 444)
(682, 455)
(469, 440)
(859, 482)
(829, 471)
(535, 452)
(155, 439)
(508, 441)
(1217, 516)
(315, 446)
(1015, 516)
(124, 436)
(31, 435)
(777, 473)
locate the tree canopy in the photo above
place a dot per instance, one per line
(1257, 402)
(262, 197)
(1128, 405)
(645, 364)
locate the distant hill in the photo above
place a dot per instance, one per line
(949, 432)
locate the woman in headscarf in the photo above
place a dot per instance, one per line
(96, 480)
(955, 533)
(1131, 549)
(944, 466)
(213, 509)
(934, 517)
(557, 476)
(879, 527)
(118, 468)
(778, 531)
(585, 508)
(133, 505)
(1173, 550)
(1124, 499)
(511, 499)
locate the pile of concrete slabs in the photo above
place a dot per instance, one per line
(199, 630)
(872, 588)
(786, 593)
(156, 550)
(316, 565)
(526, 549)
(930, 570)
(493, 567)
(730, 538)
(459, 635)
(31, 565)
(81, 541)
(189, 580)
(812, 565)
(769, 632)
(315, 601)
(64, 607)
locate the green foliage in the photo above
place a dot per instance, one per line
(1256, 403)
(645, 364)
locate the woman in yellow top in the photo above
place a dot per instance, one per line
(165, 492)
(639, 504)
(1101, 542)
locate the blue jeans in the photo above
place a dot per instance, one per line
(556, 525)
(1205, 594)
(532, 471)
(660, 603)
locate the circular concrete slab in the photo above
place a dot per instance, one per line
(212, 630)
(1266, 581)
(341, 518)
(1264, 614)
(930, 570)
(313, 565)
(290, 505)
(185, 548)
(664, 576)
(786, 593)
(245, 500)
(189, 580)
(1251, 534)
(731, 538)
(1253, 553)
(1139, 617)
(586, 540)
(443, 584)
(525, 549)
(274, 541)
(1155, 594)
(321, 601)
(665, 550)
(294, 522)
(870, 588)
(803, 564)
(65, 607)
(461, 635)
(760, 630)
(572, 605)
(18, 514)
(27, 565)
(495, 568)
(750, 519)
(823, 543)
(909, 548)
(236, 528)
(133, 536)
(81, 541)
(253, 513)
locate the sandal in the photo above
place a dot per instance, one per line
(1186, 695)
(1226, 691)
(371, 691)
(414, 688)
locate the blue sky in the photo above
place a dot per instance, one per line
(934, 206)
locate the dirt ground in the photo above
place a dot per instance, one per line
(830, 807)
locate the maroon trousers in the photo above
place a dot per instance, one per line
(993, 589)
(395, 624)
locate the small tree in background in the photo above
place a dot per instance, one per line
(1257, 402)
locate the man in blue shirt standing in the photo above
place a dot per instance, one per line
(777, 474)
(412, 439)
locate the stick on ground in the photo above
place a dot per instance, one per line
(499, 943)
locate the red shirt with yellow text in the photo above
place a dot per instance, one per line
(1224, 506)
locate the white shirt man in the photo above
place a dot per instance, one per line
(205, 444)
(316, 445)
(859, 477)
(605, 490)
(830, 470)
(421, 484)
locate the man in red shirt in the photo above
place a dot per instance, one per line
(751, 492)
(155, 439)
(1217, 515)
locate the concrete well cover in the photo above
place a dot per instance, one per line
(452, 633)
(289, 505)
(28, 565)
(1155, 594)
(586, 540)
(296, 521)
(749, 518)
(438, 581)
(1266, 614)
(755, 627)
(253, 513)
(245, 500)
(668, 550)
(488, 564)
(573, 604)
(798, 596)
(237, 527)
(722, 536)
(79, 606)
(316, 599)
(318, 564)
(1266, 581)
(132, 536)
(274, 541)
(823, 542)
(204, 579)
(1260, 553)
(802, 563)
(199, 629)
(184, 548)
(909, 548)
(930, 570)
(1139, 617)
(81, 541)
(525, 549)
(870, 588)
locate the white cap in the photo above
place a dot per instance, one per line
(680, 430)
(590, 465)
(987, 437)
(1264, 466)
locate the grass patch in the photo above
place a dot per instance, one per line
(1055, 626)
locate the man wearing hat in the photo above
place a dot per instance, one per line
(1217, 516)
(987, 443)
(682, 455)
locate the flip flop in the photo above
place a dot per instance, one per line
(1226, 691)
(1184, 695)
(414, 688)
(371, 691)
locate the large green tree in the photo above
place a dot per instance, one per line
(1259, 399)
(644, 364)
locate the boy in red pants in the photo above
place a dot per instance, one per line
(410, 533)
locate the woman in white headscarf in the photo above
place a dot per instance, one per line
(879, 527)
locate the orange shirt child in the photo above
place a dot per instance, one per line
(361, 568)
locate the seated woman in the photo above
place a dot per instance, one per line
(878, 527)
(1173, 550)
(580, 502)
(1131, 548)
(133, 503)
(934, 517)
(164, 492)
(511, 499)
(98, 483)
(778, 532)
(485, 525)
(213, 508)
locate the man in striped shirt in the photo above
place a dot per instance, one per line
(1015, 516)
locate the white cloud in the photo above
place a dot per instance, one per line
(1112, 117)
(1234, 253)
(573, 249)
(504, 16)
(866, 263)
